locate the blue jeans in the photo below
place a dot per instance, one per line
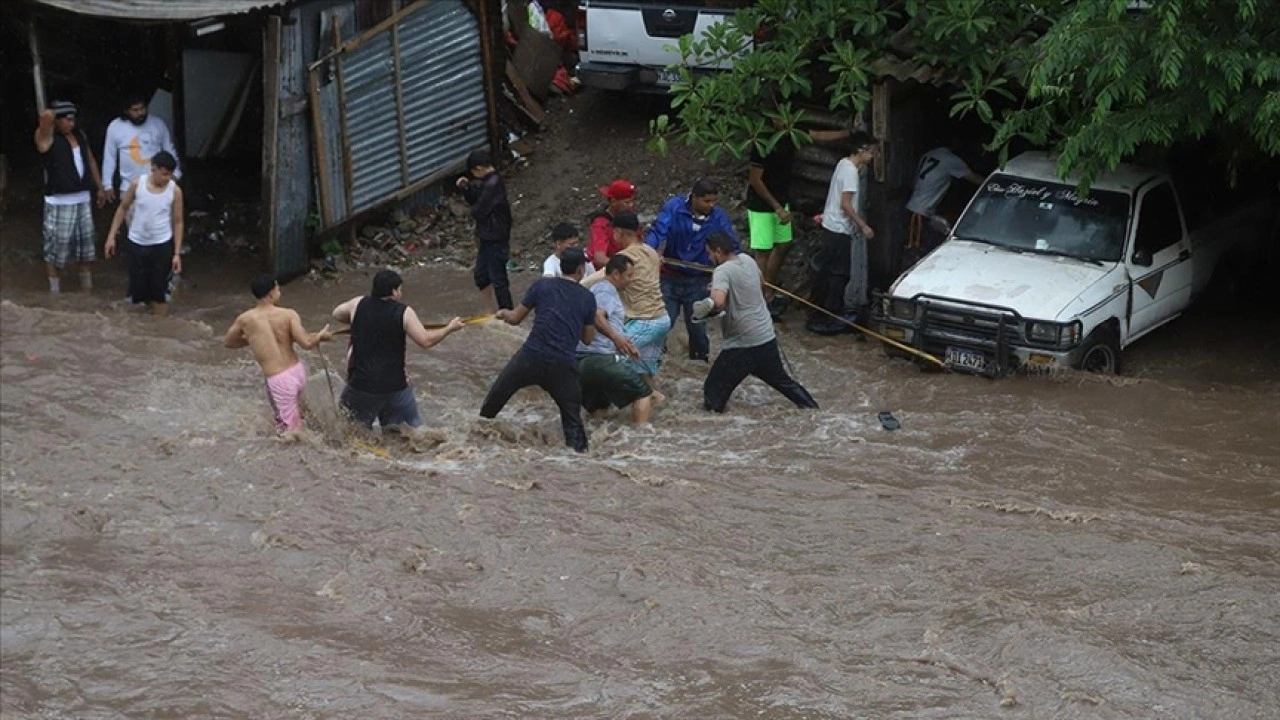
(680, 292)
(394, 408)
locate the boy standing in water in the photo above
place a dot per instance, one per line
(270, 332)
(487, 195)
(153, 204)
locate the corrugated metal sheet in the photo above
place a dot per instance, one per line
(330, 148)
(445, 113)
(293, 158)
(441, 85)
(161, 9)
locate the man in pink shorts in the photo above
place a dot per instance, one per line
(270, 332)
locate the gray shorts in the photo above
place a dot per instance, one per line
(389, 409)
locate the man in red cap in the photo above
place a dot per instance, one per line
(621, 194)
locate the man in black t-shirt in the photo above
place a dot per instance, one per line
(769, 201)
(565, 313)
(377, 382)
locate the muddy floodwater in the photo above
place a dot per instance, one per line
(1066, 547)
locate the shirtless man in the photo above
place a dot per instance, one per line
(270, 332)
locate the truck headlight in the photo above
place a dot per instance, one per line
(899, 309)
(1044, 332)
(1051, 333)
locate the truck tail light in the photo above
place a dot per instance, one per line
(582, 27)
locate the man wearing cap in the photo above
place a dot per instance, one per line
(621, 195)
(647, 322)
(70, 179)
(606, 376)
(681, 232)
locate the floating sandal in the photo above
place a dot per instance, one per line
(888, 421)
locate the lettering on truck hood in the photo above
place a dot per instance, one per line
(1041, 287)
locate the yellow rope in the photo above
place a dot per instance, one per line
(793, 296)
(473, 320)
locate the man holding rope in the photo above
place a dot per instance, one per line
(564, 314)
(377, 382)
(647, 321)
(680, 233)
(750, 346)
(270, 332)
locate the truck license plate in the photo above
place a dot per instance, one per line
(668, 77)
(962, 359)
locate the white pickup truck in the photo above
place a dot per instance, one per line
(1035, 275)
(627, 44)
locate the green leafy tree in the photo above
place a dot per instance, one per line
(1093, 80)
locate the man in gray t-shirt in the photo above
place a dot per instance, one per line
(750, 346)
(934, 174)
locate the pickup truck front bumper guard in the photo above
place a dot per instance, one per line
(941, 321)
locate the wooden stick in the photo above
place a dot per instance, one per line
(37, 68)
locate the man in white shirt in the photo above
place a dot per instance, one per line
(132, 140)
(840, 286)
(563, 237)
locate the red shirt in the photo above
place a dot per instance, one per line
(601, 238)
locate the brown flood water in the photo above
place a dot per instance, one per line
(1065, 547)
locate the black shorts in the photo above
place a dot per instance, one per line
(149, 268)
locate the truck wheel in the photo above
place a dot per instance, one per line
(1101, 353)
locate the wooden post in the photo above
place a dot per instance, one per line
(401, 122)
(173, 61)
(490, 75)
(348, 165)
(880, 126)
(37, 68)
(322, 153)
(272, 37)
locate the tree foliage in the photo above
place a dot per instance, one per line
(1093, 80)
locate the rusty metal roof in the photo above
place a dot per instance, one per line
(160, 10)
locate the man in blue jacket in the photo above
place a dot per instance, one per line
(680, 233)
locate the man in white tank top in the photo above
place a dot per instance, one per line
(155, 233)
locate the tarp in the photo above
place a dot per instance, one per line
(160, 10)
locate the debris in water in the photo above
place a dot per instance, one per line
(334, 587)
(1067, 516)
(371, 448)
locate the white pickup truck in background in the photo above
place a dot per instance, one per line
(1035, 275)
(623, 44)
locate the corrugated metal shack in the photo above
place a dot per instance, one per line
(364, 102)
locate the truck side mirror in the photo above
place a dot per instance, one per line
(1142, 258)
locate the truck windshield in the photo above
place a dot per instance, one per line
(1051, 218)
